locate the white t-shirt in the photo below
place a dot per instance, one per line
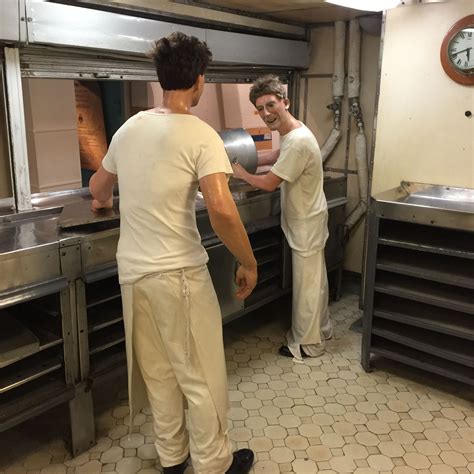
(303, 204)
(159, 159)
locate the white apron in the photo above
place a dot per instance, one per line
(310, 314)
(179, 337)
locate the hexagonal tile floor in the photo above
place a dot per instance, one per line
(326, 415)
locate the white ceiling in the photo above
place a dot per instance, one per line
(300, 11)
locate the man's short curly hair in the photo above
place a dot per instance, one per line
(269, 84)
(179, 59)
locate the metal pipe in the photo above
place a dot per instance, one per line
(361, 141)
(353, 80)
(16, 119)
(338, 90)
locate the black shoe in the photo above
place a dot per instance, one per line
(285, 352)
(178, 469)
(242, 463)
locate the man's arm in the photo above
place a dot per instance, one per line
(101, 187)
(267, 157)
(268, 182)
(225, 221)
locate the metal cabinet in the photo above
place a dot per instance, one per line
(38, 363)
(101, 336)
(419, 291)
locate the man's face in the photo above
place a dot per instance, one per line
(273, 111)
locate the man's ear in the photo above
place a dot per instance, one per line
(287, 103)
(199, 82)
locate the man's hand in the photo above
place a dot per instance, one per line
(97, 205)
(239, 171)
(246, 279)
(101, 186)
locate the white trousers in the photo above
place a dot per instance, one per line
(177, 340)
(310, 313)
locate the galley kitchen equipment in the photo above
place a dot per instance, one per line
(61, 283)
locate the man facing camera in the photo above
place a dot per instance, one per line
(297, 169)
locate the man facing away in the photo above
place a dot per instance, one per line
(298, 168)
(172, 317)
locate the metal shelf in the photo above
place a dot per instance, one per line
(443, 269)
(268, 272)
(48, 305)
(27, 370)
(267, 256)
(32, 399)
(426, 239)
(425, 316)
(269, 239)
(46, 329)
(441, 345)
(263, 291)
(47, 340)
(100, 317)
(422, 360)
(28, 292)
(111, 360)
(101, 340)
(437, 294)
(102, 291)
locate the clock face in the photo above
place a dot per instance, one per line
(461, 49)
(457, 51)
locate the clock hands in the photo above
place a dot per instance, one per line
(462, 51)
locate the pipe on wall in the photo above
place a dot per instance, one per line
(338, 90)
(361, 141)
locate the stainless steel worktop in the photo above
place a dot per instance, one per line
(431, 204)
(42, 226)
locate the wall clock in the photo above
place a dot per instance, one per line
(457, 51)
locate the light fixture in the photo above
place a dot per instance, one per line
(367, 5)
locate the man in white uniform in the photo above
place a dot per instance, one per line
(298, 169)
(172, 317)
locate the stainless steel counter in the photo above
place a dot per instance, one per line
(36, 229)
(431, 204)
(42, 226)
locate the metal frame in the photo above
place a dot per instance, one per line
(373, 224)
(195, 16)
(11, 25)
(75, 26)
(362, 297)
(16, 118)
(419, 317)
(4, 119)
(81, 406)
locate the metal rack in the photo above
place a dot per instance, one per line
(420, 276)
(38, 364)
